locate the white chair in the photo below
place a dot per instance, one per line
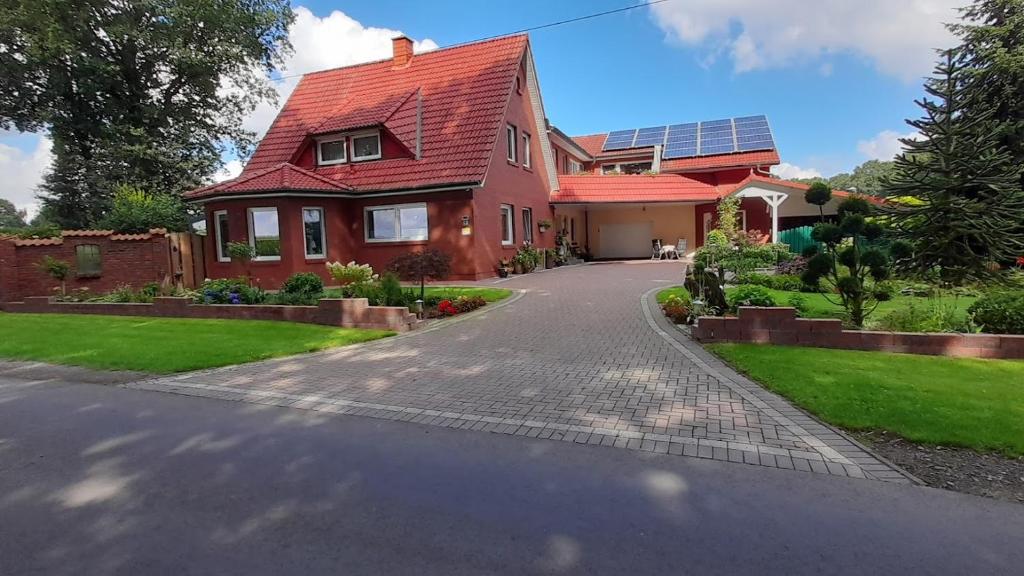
(681, 248)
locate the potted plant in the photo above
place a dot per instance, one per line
(544, 225)
(550, 258)
(518, 265)
(504, 267)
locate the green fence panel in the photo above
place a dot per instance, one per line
(797, 238)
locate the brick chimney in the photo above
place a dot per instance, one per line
(402, 49)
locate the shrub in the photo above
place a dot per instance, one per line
(999, 312)
(124, 293)
(750, 295)
(794, 266)
(465, 304)
(446, 308)
(351, 273)
(677, 308)
(932, 317)
(229, 291)
(303, 284)
(784, 282)
(799, 302)
(391, 292)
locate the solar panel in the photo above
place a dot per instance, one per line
(723, 136)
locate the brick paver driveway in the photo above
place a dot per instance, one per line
(580, 355)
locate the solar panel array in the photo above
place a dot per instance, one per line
(698, 138)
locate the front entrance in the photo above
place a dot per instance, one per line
(625, 240)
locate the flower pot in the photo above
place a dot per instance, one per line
(549, 262)
(517, 267)
(503, 272)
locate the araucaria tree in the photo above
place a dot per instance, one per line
(955, 194)
(141, 92)
(847, 266)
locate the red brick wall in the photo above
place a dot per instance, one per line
(344, 312)
(781, 326)
(134, 262)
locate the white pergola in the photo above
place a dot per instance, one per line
(773, 198)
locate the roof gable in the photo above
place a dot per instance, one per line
(455, 97)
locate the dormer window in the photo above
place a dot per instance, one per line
(331, 151)
(366, 146)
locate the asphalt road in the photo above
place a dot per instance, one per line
(100, 480)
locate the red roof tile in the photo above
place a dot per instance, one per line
(282, 177)
(796, 186)
(462, 91)
(594, 188)
(592, 143)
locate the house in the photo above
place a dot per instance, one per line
(451, 149)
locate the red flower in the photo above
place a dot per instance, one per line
(1020, 260)
(446, 308)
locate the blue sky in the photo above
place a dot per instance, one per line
(836, 78)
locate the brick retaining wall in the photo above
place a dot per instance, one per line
(781, 326)
(344, 312)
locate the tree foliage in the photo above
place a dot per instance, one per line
(135, 211)
(140, 92)
(866, 179)
(818, 195)
(10, 216)
(956, 191)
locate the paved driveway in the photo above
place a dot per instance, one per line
(580, 355)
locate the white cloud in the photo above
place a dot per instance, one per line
(789, 171)
(897, 36)
(885, 145)
(329, 42)
(23, 172)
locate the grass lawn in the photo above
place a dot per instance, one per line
(489, 294)
(819, 307)
(162, 345)
(964, 402)
(673, 291)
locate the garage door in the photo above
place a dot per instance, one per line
(625, 240)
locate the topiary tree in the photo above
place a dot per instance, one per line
(847, 267)
(819, 194)
(419, 267)
(58, 270)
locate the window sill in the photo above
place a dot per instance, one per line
(512, 163)
(393, 242)
(528, 168)
(266, 260)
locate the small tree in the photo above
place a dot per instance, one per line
(242, 252)
(818, 194)
(728, 217)
(58, 270)
(420, 266)
(847, 266)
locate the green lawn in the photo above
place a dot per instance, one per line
(162, 345)
(673, 291)
(972, 403)
(819, 307)
(488, 294)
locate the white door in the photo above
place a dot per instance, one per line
(625, 240)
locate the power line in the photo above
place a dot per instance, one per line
(530, 29)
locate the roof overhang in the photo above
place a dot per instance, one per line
(322, 194)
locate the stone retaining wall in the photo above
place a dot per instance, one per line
(781, 326)
(344, 312)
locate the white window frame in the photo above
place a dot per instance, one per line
(575, 167)
(326, 140)
(507, 211)
(364, 134)
(252, 232)
(323, 232)
(526, 150)
(221, 256)
(527, 217)
(396, 208)
(512, 143)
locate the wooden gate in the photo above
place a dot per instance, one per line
(188, 261)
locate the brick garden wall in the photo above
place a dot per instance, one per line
(133, 259)
(781, 326)
(344, 312)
